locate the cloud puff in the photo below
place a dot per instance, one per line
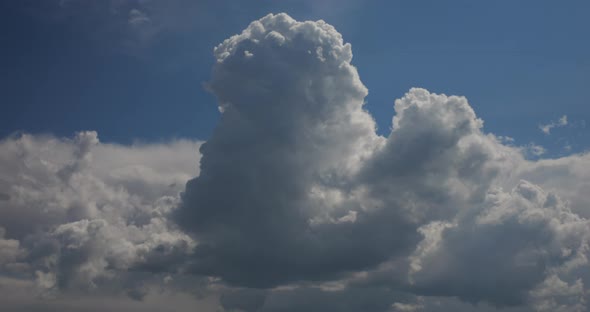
(561, 122)
(298, 204)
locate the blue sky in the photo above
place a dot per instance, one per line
(68, 66)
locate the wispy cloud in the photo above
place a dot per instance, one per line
(128, 26)
(534, 150)
(138, 18)
(561, 122)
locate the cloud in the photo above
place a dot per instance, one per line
(534, 150)
(127, 26)
(568, 177)
(521, 238)
(295, 156)
(79, 211)
(298, 204)
(293, 129)
(405, 307)
(137, 18)
(561, 122)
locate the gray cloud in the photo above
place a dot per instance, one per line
(502, 250)
(293, 129)
(298, 205)
(561, 122)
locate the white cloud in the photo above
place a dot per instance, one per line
(298, 204)
(78, 211)
(534, 150)
(561, 122)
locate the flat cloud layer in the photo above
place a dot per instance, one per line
(298, 205)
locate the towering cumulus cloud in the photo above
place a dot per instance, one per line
(299, 205)
(296, 186)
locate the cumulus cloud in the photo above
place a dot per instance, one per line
(76, 211)
(298, 204)
(293, 129)
(521, 238)
(569, 177)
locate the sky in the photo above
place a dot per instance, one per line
(294, 155)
